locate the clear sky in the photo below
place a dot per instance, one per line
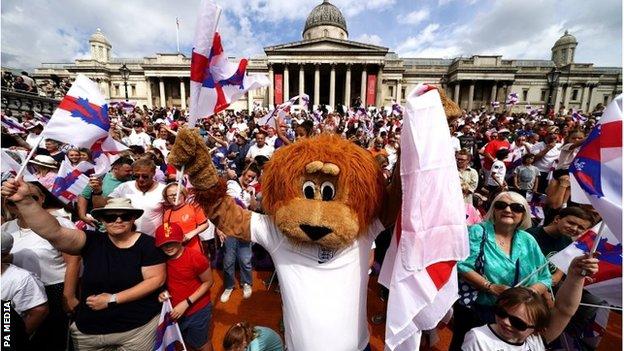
(36, 31)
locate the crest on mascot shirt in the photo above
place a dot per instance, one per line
(324, 254)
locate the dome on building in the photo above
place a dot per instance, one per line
(326, 15)
(566, 39)
(98, 37)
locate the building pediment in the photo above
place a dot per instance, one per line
(325, 45)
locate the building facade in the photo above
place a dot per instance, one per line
(334, 70)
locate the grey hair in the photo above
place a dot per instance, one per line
(525, 223)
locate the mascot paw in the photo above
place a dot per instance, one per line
(191, 151)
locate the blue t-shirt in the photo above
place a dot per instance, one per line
(265, 340)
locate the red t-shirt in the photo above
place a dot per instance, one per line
(491, 149)
(188, 217)
(183, 279)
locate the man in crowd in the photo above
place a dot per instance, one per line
(138, 136)
(237, 151)
(546, 153)
(468, 177)
(260, 148)
(490, 149)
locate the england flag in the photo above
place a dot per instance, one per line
(71, 181)
(168, 335)
(215, 82)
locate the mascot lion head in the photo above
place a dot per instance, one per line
(323, 190)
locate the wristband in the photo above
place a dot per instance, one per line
(188, 300)
(488, 285)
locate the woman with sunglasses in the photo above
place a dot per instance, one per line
(523, 319)
(509, 254)
(122, 272)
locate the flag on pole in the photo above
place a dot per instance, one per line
(512, 99)
(607, 283)
(127, 106)
(71, 181)
(168, 335)
(11, 165)
(215, 82)
(495, 104)
(397, 109)
(421, 277)
(270, 118)
(81, 118)
(578, 117)
(12, 125)
(43, 119)
(597, 168)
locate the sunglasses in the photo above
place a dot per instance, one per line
(112, 217)
(515, 207)
(142, 176)
(515, 322)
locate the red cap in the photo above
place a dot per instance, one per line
(167, 233)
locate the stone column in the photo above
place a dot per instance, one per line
(317, 85)
(379, 93)
(363, 86)
(590, 101)
(286, 83)
(494, 91)
(399, 93)
(271, 87)
(301, 82)
(557, 103)
(566, 99)
(584, 98)
(161, 88)
(148, 84)
(182, 94)
(249, 101)
(332, 86)
(347, 93)
(471, 94)
(456, 92)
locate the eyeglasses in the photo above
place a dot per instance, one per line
(142, 176)
(515, 207)
(112, 217)
(515, 322)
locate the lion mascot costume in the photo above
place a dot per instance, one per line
(325, 201)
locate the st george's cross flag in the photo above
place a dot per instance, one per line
(215, 82)
(512, 99)
(12, 125)
(607, 283)
(420, 275)
(271, 118)
(71, 181)
(168, 335)
(597, 168)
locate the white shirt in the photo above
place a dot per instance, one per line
(31, 139)
(455, 143)
(545, 163)
(323, 292)
(22, 288)
(141, 139)
(266, 151)
(484, 339)
(150, 202)
(35, 254)
(236, 191)
(161, 145)
(392, 156)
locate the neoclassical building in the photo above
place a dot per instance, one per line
(332, 70)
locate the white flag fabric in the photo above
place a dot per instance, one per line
(71, 181)
(271, 120)
(421, 274)
(168, 335)
(216, 82)
(10, 165)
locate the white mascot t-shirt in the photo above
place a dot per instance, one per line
(323, 291)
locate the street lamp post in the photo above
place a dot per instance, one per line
(125, 73)
(553, 79)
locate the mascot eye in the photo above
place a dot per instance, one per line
(327, 191)
(308, 189)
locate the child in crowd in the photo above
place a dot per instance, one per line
(189, 279)
(496, 179)
(526, 176)
(244, 337)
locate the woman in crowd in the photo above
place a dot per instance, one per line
(523, 319)
(53, 149)
(244, 337)
(510, 256)
(73, 155)
(558, 190)
(85, 155)
(189, 216)
(45, 169)
(122, 272)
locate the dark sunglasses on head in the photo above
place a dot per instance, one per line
(515, 322)
(112, 217)
(515, 207)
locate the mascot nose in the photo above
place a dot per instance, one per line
(313, 232)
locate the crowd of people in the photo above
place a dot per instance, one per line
(101, 265)
(55, 87)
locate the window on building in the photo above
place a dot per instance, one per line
(564, 54)
(525, 94)
(605, 100)
(543, 95)
(116, 89)
(403, 93)
(575, 94)
(391, 91)
(133, 90)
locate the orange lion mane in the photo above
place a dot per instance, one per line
(360, 177)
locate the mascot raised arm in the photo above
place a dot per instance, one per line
(325, 203)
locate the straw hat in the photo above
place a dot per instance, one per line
(45, 161)
(117, 204)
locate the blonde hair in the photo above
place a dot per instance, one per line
(525, 223)
(183, 191)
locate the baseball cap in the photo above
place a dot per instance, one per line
(168, 233)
